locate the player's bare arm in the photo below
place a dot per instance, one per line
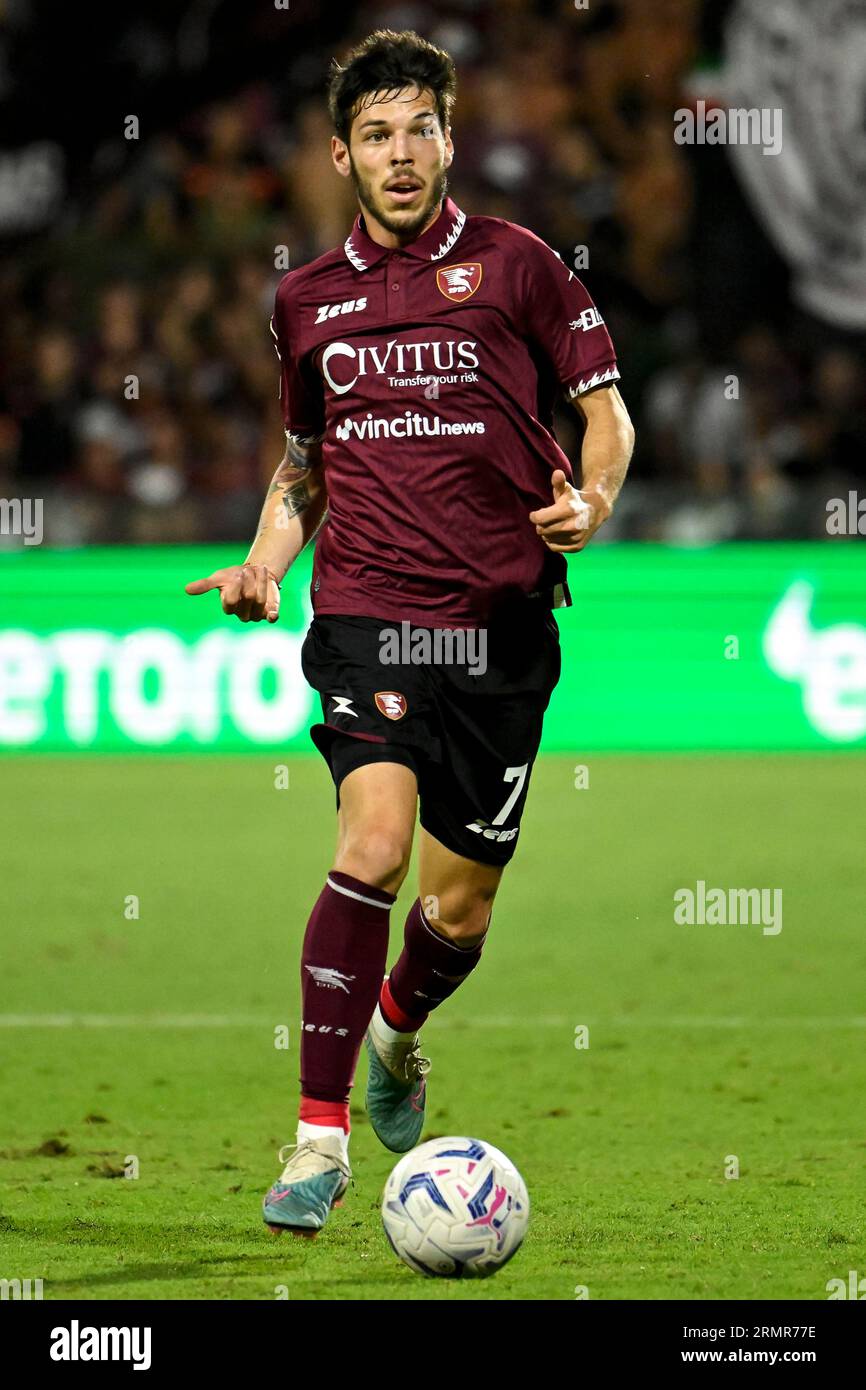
(576, 514)
(293, 510)
(296, 493)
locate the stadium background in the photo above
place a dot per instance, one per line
(714, 613)
(152, 260)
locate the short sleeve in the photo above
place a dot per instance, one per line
(301, 392)
(560, 318)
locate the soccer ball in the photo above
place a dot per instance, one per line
(455, 1207)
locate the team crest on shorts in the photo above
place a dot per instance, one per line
(390, 703)
(458, 282)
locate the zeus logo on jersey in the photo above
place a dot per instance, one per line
(590, 318)
(332, 311)
(408, 426)
(394, 359)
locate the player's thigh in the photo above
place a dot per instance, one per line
(376, 822)
(456, 892)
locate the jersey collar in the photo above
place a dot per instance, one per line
(436, 242)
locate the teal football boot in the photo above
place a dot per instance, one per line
(313, 1181)
(396, 1086)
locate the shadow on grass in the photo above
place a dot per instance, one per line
(279, 1259)
(211, 1269)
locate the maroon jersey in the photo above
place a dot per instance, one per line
(430, 374)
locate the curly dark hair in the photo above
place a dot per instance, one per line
(387, 62)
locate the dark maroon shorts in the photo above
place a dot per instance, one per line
(462, 710)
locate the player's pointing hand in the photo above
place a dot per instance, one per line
(573, 519)
(251, 592)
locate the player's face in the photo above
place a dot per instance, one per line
(397, 157)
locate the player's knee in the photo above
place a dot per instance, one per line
(466, 921)
(378, 856)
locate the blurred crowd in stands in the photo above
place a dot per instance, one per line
(138, 380)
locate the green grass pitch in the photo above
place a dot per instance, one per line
(154, 1037)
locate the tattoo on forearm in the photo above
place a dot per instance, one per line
(285, 476)
(290, 482)
(296, 498)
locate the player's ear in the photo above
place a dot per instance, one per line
(340, 156)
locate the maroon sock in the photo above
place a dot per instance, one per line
(429, 970)
(342, 964)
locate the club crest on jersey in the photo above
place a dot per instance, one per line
(458, 282)
(390, 703)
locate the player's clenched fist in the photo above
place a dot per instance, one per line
(251, 592)
(573, 519)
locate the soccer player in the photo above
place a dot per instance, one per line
(419, 366)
